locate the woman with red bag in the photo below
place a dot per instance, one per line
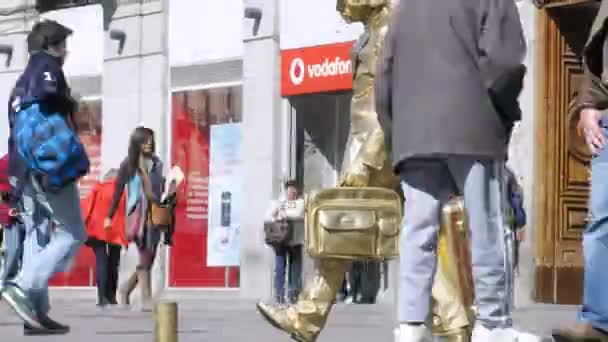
(106, 242)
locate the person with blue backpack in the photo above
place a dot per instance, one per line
(44, 138)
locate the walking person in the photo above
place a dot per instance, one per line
(12, 229)
(449, 132)
(54, 159)
(593, 125)
(106, 242)
(140, 177)
(289, 256)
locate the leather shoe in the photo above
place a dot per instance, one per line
(583, 332)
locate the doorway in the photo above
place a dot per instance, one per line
(562, 166)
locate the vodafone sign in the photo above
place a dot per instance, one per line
(316, 69)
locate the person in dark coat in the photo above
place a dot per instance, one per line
(11, 230)
(447, 97)
(140, 176)
(593, 125)
(43, 84)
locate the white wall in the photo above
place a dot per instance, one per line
(12, 32)
(86, 43)
(202, 31)
(521, 156)
(306, 23)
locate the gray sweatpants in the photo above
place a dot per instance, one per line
(427, 185)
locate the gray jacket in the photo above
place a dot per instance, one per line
(449, 73)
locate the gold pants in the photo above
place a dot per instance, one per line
(451, 313)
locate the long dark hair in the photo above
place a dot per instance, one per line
(139, 137)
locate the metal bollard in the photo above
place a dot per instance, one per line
(165, 319)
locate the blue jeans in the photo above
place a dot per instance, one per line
(48, 251)
(595, 246)
(428, 184)
(13, 242)
(288, 259)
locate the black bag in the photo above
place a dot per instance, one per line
(278, 233)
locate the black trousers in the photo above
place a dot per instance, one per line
(107, 260)
(365, 281)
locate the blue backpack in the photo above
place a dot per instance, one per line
(50, 147)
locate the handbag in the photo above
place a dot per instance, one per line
(353, 223)
(278, 233)
(50, 147)
(161, 215)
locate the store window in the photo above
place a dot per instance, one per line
(206, 137)
(323, 122)
(88, 125)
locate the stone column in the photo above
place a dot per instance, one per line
(522, 157)
(136, 90)
(262, 145)
(14, 28)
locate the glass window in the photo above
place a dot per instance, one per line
(206, 146)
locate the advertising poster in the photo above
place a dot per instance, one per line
(224, 195)
(195, 115)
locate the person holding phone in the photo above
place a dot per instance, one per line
(141, 176)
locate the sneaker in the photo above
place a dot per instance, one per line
(55, 326)
(413, 333)
(483, 334)
(49, 327)
(21, 304)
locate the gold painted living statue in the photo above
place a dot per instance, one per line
(366, 165)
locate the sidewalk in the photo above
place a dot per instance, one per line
(208, 317)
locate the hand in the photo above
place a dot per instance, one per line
(107, 223)
(588, 126)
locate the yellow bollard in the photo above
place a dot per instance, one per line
(165, 319)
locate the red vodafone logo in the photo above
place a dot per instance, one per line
(296, 71)
(316, 69)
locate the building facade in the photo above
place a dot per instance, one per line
(273, 78)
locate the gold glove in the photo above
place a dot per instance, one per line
(358, 175)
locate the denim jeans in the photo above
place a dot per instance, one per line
(48, 251)
(288, 259)
(428, 184)
(13, 254)
(595, 245)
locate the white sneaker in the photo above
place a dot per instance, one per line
(526, 337)
(483, 334)
(413, 333)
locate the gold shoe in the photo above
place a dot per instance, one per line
(278, 317)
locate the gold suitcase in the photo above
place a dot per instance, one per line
(353, 223)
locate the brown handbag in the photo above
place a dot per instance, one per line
(161, 216)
